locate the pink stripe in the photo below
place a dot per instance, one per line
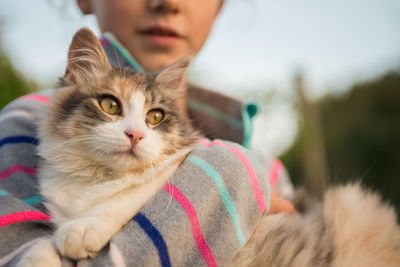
(275, 172)
(23, 216)
(17, 168)
(191, 212)
(40, 98)
(253, 177)
(205, 141)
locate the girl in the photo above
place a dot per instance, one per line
(146, 35)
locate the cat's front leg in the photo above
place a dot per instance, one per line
(42, 253)
(86, 235)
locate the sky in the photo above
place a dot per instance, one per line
(256, 45)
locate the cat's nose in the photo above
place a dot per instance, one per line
(134, 136)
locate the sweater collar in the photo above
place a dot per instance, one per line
(117, 54)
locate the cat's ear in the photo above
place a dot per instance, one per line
(86, 57)
(173, 76)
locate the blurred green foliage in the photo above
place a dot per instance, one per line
(361, 136)
(12, 83)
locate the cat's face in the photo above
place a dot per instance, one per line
(117, 117)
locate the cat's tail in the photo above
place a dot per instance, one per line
(365, 229)
(353, 227)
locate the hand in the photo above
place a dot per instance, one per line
(279, 204)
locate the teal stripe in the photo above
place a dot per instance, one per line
(249, 110)
(223, 192)
(214, 113)
(33, 200)
(127, 56)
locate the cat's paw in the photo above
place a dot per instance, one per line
(41, 254)
(80, 239)
(40, 261)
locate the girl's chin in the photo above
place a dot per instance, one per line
(154, 60)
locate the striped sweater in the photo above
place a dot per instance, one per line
(201, 218)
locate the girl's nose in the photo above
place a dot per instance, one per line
(165, 6)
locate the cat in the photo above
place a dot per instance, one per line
(101, 115)
(351, 227)
(112, 140)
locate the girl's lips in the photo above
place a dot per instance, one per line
(160, 36)
(160, 30)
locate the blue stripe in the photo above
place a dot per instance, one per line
(155, 237)
(224, 194)
(19, 139)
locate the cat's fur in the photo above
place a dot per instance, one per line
(352, 227)
(93, 177)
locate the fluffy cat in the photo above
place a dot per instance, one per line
(112, 140)
(352, 227)
(102, 114)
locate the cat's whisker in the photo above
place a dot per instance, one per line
(170, 196)
(152, 170)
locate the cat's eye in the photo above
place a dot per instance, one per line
(155, 116)
(110, 105)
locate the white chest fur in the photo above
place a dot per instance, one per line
(69, 197)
